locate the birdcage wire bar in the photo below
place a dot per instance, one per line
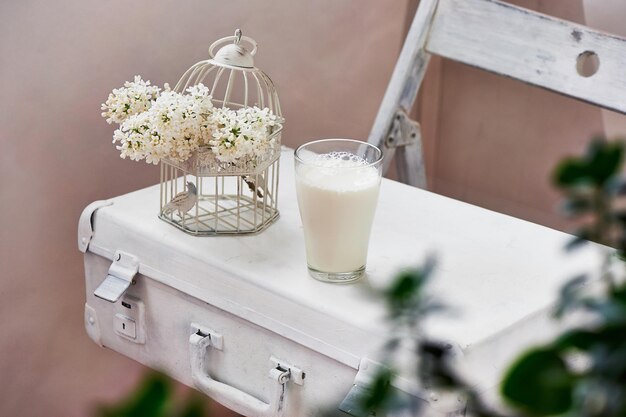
(232, 197)
(225, 204)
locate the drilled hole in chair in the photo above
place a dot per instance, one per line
(587, 63)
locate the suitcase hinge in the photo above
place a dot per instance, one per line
(352, 404)
(404, 130)
(121, 274)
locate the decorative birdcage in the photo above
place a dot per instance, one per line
(205, 196)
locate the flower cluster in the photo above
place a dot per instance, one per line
(242, 133)
(134, 98)
(156, 125)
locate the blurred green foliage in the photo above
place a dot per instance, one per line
(156, 397)
(592, 186)
(582, 372)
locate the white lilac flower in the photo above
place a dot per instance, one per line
(133, 137)
(182, 122)
(135, 97)
(156, 125)
(242, 134)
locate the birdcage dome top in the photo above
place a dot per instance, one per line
(240, 53)
(231, 77)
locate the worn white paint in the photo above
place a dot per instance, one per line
(400, 96)
(531, 47)
(499, 274)
(505, 39)
(608, 16)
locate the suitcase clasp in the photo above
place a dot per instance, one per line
(121, 274)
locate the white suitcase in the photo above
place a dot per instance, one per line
(239, 318)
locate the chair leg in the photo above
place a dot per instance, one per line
(400, 96)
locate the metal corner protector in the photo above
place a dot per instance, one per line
(85, 224)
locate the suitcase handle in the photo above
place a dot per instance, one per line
(231, 397)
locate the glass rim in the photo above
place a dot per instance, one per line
(360, 142)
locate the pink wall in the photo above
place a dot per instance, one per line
(489, 140)
(58, 61)
(494, 142)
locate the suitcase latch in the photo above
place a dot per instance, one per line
(121, 274)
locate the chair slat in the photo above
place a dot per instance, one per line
(531, 47)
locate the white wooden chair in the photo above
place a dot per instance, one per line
(537, 49)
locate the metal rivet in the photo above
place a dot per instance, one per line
(84, 240)
(91, 320)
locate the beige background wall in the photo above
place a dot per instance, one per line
(58, 61)
(489, 141)
(494, 142)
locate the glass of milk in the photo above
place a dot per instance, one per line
(337, 182)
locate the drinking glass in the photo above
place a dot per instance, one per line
(337, 183)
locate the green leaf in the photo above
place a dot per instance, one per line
(619, 294)
(601, 162)
(571, 171)
(570, 295)
(576, 339)
(434, 368)
(405, 294)
(379, 391)
(540, 383)
(605, 159)
(581, 238)
(406, 286)
(152, 399)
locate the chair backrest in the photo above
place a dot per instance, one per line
(511, 41)
(533, 48)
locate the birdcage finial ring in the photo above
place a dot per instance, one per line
(236, 39)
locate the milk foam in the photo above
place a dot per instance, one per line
(336, 171)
